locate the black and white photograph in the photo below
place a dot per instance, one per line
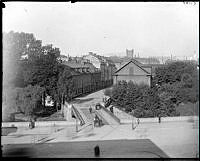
(100, 80)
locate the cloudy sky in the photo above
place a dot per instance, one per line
(152, 29)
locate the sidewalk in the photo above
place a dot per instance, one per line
(37, 134)
(177, 139)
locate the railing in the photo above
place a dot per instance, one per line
(101, 117)
(78, 115)
(111, 114)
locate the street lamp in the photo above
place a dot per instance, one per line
(132, 112)
(76, 125)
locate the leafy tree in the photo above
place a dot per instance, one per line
(14, 46)
(173, 72)
(43, 69)
(65, 86)
(119, 92)
(143, 101)
(40, 69)
(29, 98)
(178, 80)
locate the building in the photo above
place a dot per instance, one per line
(105, 65)
(134, 71)
(94, 59)
(86, 77)
(129, 53)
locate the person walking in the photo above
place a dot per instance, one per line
(138, 121)
(159, 119)
(90, 109)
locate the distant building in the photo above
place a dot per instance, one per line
(106, 66)
(134, 71)
(94, 59)
(129, 53)
(85, 77)
(149, 60)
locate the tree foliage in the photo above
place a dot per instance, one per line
(40, 69)
(14, 46)
(141, 100)
(178, 80)
(29, 98)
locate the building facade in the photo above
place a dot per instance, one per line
(134, 71)
(106, 66)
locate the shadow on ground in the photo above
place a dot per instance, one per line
(140, 148)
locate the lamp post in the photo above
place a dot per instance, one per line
(76, 125)
(132, 120)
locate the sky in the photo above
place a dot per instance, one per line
(109, 28)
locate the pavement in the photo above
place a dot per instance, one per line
(143, 148)
(178, 139)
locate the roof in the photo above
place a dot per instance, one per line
(134, 62)
(77, 65)
(102, 58)
(74, 64)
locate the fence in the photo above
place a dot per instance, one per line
(163, 119)
(38, 123)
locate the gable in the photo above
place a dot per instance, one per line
(131, 69)
(148, 69)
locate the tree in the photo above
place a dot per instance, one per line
(14, 46)
(43, 69)
(178, 80)
(29, 99)
(65, 85)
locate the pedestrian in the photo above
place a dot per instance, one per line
(90, 109)
(32, 123)
(111, 109)
(159, 119)
(133, 127)
(138, 121)
(96, 151)
(95, 120)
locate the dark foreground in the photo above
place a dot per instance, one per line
(142, 148)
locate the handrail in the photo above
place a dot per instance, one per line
(111, 114)
(101, 117)
(78, 115)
